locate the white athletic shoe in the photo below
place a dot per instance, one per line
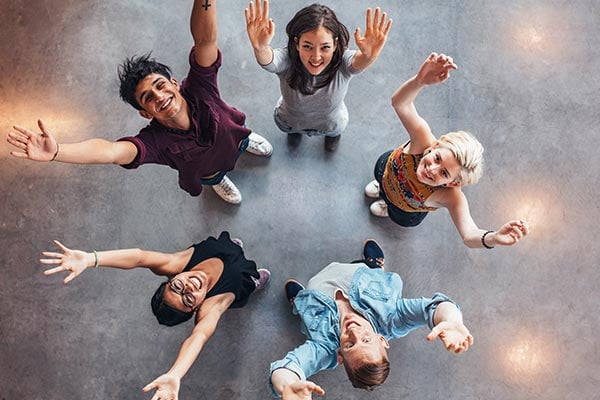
(372, 189)
(228, 191)
(238, 242)
(259, 146)
(379, 208)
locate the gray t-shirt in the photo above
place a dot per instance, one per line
(336, 276)
(322, 111)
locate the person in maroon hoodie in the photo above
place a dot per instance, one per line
(191, 130)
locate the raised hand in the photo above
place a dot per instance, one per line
(33, 145)
(167, 387)
(435, 69)
(375, 36)
(510, 233)
(74, 261)
(301, 390)
(454, 335)
(259, 26)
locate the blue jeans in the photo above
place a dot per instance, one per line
(215, 180)
(396, 214)
(284, 127)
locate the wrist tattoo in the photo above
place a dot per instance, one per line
(206, 5)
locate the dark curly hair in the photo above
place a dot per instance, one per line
(164, 313)
(306, 20)
(135, 69)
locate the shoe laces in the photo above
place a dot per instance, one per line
(226, 187)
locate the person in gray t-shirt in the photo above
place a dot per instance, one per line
(315, 68)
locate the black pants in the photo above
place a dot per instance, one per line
(397, 215)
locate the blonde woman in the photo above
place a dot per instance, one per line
(427, 173)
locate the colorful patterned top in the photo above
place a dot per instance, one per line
(400, 183)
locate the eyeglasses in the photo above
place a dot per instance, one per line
(177, 286)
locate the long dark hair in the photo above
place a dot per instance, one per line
(306, 20)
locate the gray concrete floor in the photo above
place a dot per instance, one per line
(527, 86)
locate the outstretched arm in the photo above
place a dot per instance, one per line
(290, 387)
(371, 44)
(450, 329)
(435, 69)
(203, 24)
(77, 261)
(260, 29)
(42, 146)
(509, 234)
(167, 385)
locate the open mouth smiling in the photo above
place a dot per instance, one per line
(166, 104)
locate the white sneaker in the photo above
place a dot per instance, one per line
(228, 191)
(372, 189)
(379, 208)
(259, 146)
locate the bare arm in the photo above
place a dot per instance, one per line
(290, 387)
(77, 261)
(42, 146)
(371, 44)
(508, 234)
(203, 24)
(167, 385)
(449, 327)
(435, 69)
(260, 29)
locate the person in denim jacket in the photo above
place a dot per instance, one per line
(349, 312)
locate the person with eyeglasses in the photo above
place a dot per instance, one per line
(205, 280)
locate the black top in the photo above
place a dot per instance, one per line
(237, 270)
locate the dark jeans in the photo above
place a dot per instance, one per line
(397, 215)
(215, 180)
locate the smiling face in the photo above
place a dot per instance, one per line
(186, 291)
(438, 167)
(316, 49)
(159, 97)
(359, 343)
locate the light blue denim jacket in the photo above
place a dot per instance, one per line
(377, 296)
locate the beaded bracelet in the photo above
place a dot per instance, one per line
(96, 257)
(483, 240)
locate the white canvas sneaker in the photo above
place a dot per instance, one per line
(259, 146)
(379, 208)
(228, 191)
(372, 189)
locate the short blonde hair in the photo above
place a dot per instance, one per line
(469, 153)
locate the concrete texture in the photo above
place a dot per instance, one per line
(526, 86)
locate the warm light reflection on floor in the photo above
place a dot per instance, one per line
(530, 360)
(530, 38)
(540, 208)
(62, 124)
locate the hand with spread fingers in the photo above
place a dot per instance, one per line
(167, 387)
(33, 145)
(73, 261)
(435, 69)
(301, 390)
(376, 32)
(259, 26)
(454, 335)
